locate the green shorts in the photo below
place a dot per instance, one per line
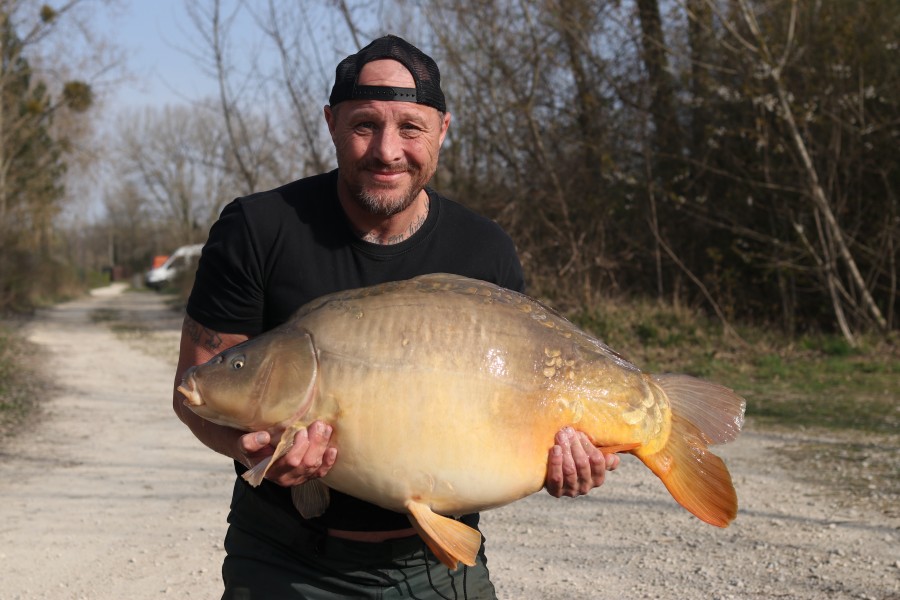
(277, 558)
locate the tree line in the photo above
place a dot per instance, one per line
(734, 155)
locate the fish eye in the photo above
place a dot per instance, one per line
(237, 362)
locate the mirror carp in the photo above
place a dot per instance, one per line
(445, 394)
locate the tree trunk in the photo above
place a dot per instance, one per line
(814, 186)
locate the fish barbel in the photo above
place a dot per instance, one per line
(445, 394)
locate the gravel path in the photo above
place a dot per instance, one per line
(110, 497)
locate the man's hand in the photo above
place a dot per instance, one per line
(310, 456)
(575, 466)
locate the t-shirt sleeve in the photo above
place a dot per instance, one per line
(509, 267)
(494, 253)
(228, 290)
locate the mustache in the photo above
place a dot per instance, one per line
(375, 165)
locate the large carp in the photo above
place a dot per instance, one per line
(445, 394)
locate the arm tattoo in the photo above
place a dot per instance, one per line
(203, 336)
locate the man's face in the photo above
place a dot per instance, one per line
(386, 150)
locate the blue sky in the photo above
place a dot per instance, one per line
(158, 35)
(152, 33)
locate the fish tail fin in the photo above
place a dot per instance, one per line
(703, 414)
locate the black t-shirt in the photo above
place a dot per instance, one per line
(272, 252)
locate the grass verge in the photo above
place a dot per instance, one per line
(21, 382)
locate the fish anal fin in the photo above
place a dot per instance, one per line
(311, 498)
(451, 541)
(696, 478)
(618, 448)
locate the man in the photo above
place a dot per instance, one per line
(370, 221)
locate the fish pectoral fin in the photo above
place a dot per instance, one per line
(450, 540)
(256, 475)
(311, 498)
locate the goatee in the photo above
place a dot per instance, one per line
(385, 204)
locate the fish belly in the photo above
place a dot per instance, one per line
(454, 400)
(446, 394)
(454, 443)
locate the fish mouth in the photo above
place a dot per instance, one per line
(188, 389)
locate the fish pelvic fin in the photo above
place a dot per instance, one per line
(311, 498)
(703, 414)
(451, 541)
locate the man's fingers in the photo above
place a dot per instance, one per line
(309, 446)
(294, 456)
(569, 470)
(252, 443)
(575, 466)
(308, 457)
(554, 482)
(574, 462)
(319, 433)
(253, 447)
(328, 460)
(586, 460)
(319, 436)
(612, 461)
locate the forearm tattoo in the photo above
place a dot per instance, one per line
(203, 336)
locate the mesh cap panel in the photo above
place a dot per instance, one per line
(423, 69)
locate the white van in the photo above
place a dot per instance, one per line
(183, 258)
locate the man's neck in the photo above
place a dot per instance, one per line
(387, 230)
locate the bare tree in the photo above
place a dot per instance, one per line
(532, 142)
(176, 159)
(244, 106)
(302, 80)
(827, 242)
(705, 151)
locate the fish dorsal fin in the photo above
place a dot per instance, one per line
(450, 540)
(311, 498)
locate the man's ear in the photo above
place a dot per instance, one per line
(445, 126)
(330, 119)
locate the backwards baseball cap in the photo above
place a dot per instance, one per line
(423, 69)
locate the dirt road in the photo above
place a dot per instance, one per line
(110, 497)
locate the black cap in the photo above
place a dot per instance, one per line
(423, 69)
